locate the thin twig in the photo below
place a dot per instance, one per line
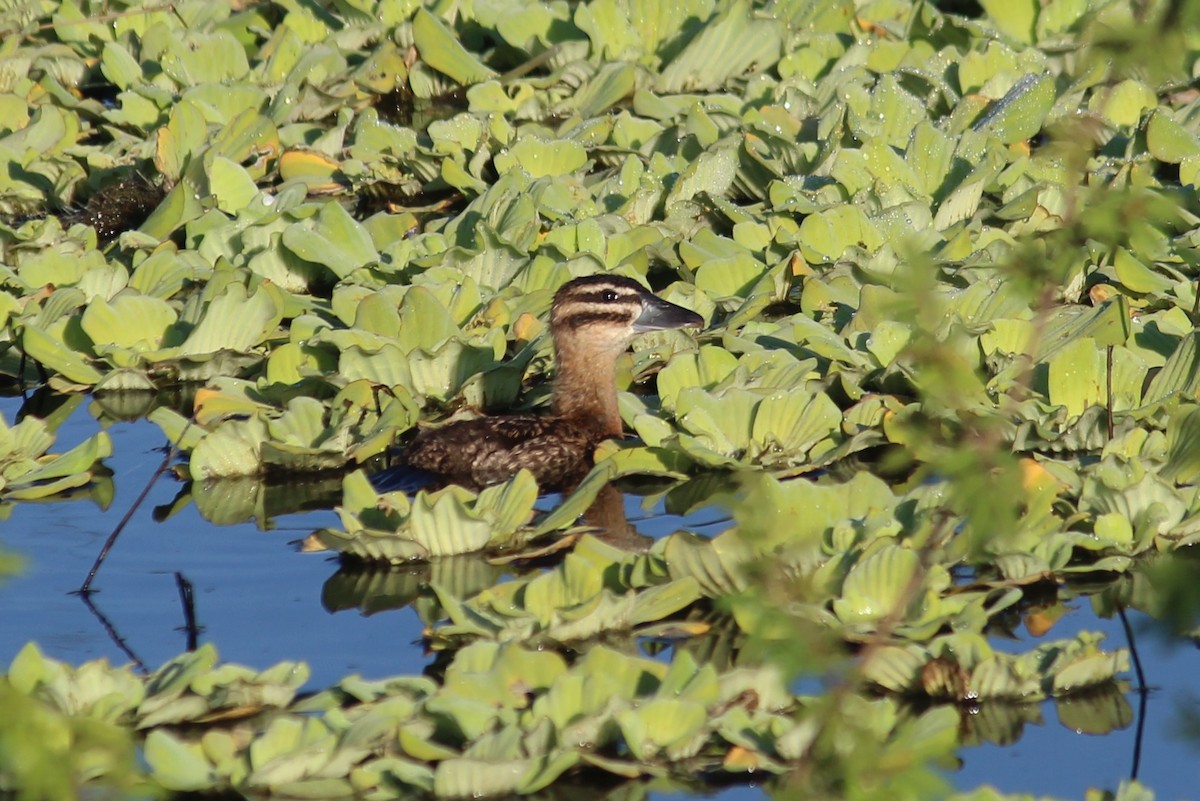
(86, 587)
(188, 599)
(1142, 690)
(114, 635)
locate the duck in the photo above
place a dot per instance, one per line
(593, 319)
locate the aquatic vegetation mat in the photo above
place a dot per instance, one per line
(28, 472)
(947, 264)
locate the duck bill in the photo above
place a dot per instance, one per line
(658, 314)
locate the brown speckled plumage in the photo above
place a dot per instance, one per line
(592, 321)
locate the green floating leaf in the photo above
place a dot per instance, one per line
(792, 422)
(1021, 112)
(448, 522)
(1183, 445)
(705, 369)
(717, 565)
(1180, 375)
(1089, 670)
(230, 184)
(441, 373)
(1148, 502)
(175, 765)
(246, 136)
(182, 136)
(1013, 18)
(1123, 104)
(180, 206)
(896, 669)
(1137, 277)
(138, 322)
(876, 586)
(725, 47)
(541, 158)
(68, 469)
(659, 603)
(204, 57)
(826, 235)
(121, 68)
(234, 449)
(573, 507)
(720, 425)
(1077, 376)
(663, 724)
(613, 83)
(890, 117)
(712, 172)
(54, 355)
(335, 241)
(1106, 324)
(235, 321)
(181, 432)
(478, 778)
(1169, 141)
(440, 49)
(443, 524)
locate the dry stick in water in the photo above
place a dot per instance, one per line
(86, 587)
(1142, 690)
(115, 635)
(187, 597)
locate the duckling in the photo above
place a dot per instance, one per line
(592, 321)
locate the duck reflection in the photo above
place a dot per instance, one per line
(607, 516)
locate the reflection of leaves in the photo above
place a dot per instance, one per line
(1000, 722)
(229, 501)
(372, 590)
(1097, 711)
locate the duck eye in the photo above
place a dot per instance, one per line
(610, 296)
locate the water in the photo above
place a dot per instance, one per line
(256, 596)
(1051, 758)
(261, 601)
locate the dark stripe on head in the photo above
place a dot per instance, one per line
(582, 318)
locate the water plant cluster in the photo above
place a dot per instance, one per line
(950, 379)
